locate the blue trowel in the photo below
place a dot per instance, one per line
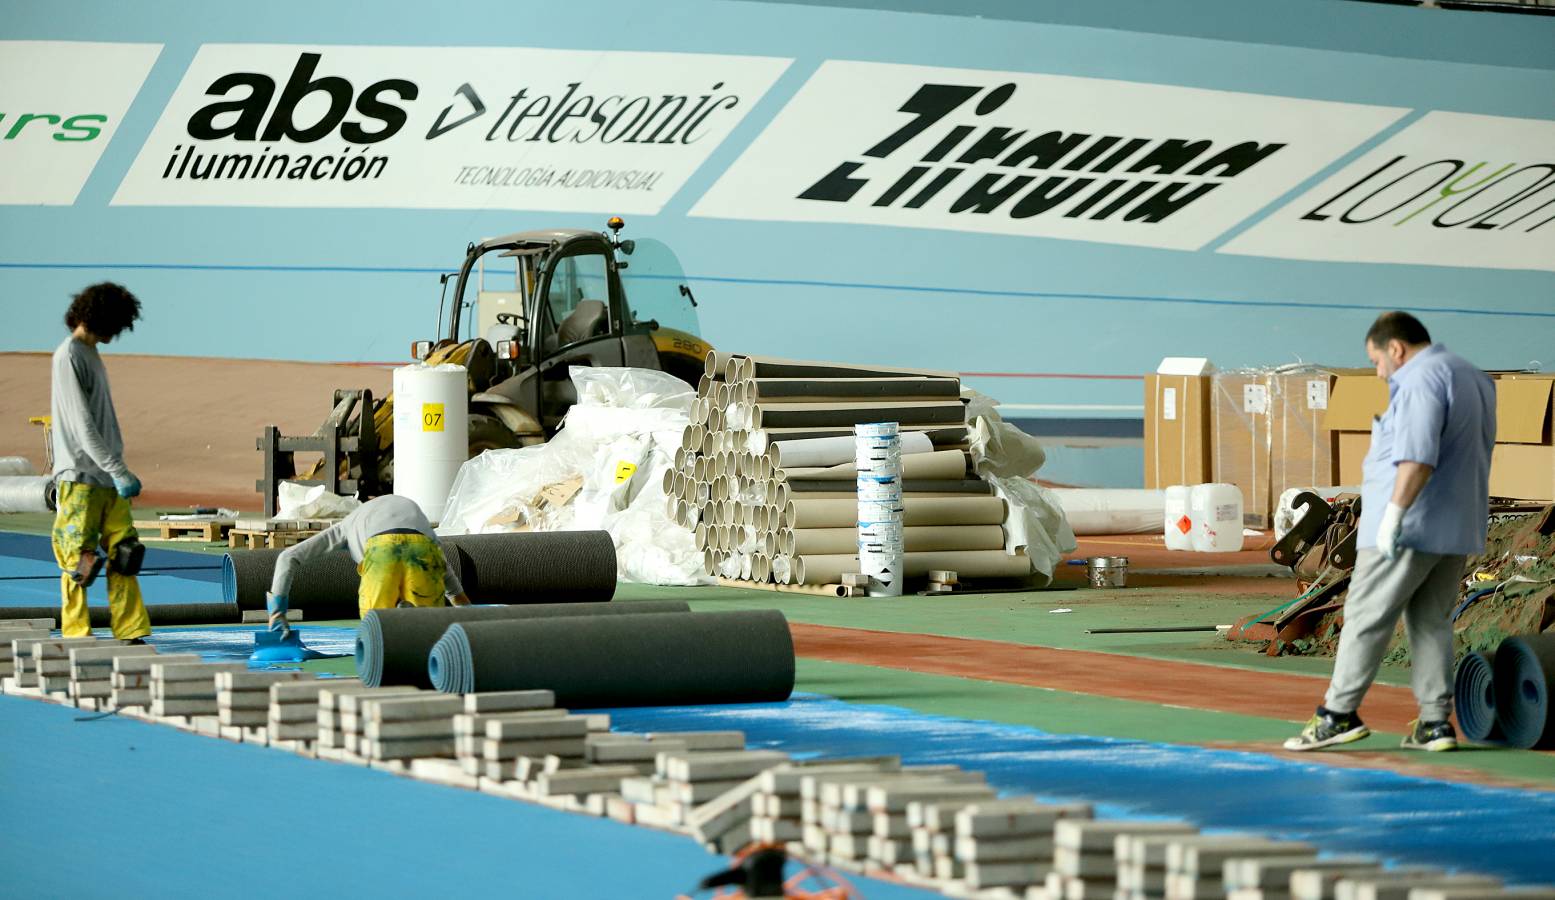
(281, 647)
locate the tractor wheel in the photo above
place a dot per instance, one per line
(488, 433)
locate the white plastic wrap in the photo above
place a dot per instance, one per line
(1001, 448)
(1006, 457)
(16, 465)
(300, 501)
(603, 470)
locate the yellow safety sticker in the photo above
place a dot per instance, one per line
(625, 470)
(431, 417)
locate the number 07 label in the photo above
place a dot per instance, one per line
(431, 417)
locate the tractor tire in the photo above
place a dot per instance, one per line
(488, 433)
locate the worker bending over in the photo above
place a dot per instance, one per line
(1425, 501)
(93, 527)
(396, 552)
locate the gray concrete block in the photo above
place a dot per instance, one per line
(695, 793)
(401, 730)
(443, 771)
(350, 703)
(141, 665)
(509, 701)
(1016, 849)
(49, 648)
(1022, 816)
(1381, 887)
(1273, 873)
(1207, 856)
(507, 728)
(702, 740)
(1084, 863)
(241, 718)
(165, 670)
(984, 875)
(294, 713)
(498, 750)
(891, 826)
(245, 700)
(719, 765)
(1522, 892)
(409, 748)
(308, 691)
(184, 690)
(169, 708)
(292, 731)
(616, 751)
(408, 709)
(474, 724)
(814, 781)
(1319, 884)
(714, 818)
(895, 797)
(126, 697)
(592, 780)
(259, 681)
(91, 689)
(1100, 835)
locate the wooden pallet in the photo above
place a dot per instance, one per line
(210, 531)
(249, 539)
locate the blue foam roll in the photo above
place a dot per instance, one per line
(1474, 696)
(1524, 668)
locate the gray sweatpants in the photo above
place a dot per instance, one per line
(1423, 587)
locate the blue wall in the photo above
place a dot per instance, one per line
(358, 285)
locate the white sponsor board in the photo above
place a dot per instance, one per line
(1039, 155)
(1453, 189)
(441, 127)
(60, 103)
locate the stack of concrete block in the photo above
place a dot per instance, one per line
(470, 727)
(185, 693)
(1319, 883)
(1523, 892)
(1007, 843)
(1392, 884)
(292, 722)
(702, 768)
(48, 662)
(338, 733)
(91, 671)
(1268, 877)
(838, 820)
(130, 681)
(243, 702)
(890, 842)
(506, 746)
(653, 799)
(400, 729)
(12, 631)
(1085, 862)
(1195, 866)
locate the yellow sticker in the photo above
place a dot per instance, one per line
(624, 471)
(431, 417)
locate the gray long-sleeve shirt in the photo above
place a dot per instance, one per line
(88, 447)
(375, 517)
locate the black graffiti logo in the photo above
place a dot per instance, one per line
(1023, 171)
(251, 117)
(1460, 194)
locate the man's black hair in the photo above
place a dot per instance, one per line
(1397, 326)
(106, 309)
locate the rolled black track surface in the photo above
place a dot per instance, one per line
(557, 567)
(1524, 681)
(392, 644)
(160, 613)
(654, 659)
(1474, 697)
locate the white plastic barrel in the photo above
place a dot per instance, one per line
(431, 433)
(1178, 521)
(1216, 510)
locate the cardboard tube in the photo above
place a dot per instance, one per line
(834, 451)
(827, 568)
(805, 513)
(855, 388)
(942, 436)
(704, 385)
(700, 536)
(714, 363)
(951, 465)
(775, 367)
(919, 412)
(950, 487)
(920, 538)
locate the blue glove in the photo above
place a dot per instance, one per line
(129, 485)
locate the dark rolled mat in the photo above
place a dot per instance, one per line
(561, 566)
(392, 644)
(654, 659)
(909, 486)
(160, 613)
(1524, 670)
(1474, 697)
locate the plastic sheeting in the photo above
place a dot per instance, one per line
(1340, 809)
(1098, 511)
(1006, 458)
(603, 470)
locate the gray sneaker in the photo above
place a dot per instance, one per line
(1329, 729)
(1432, 736)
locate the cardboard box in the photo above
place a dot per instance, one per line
(1523, 408)
(1177, 423)
(1242, 423)
(1302, 454)
(1350, 452)
(1358, 397)
(1523, 472)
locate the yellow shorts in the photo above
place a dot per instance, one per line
(400, 568)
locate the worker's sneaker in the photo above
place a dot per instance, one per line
(1328, 729)
(1433, 736)
(134, 642)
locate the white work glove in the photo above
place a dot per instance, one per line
(1387, 531)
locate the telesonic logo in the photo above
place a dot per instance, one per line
(1097, 177)
(1507, 196)
(577, 116)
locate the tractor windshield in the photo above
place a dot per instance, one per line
(657, 289)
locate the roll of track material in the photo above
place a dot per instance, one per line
(1474, 697)
(910, 412)
(26, 493)
(829, 568)
(910, 486)
(392, 644)
(654, 659)
(862, 388)
(813, 541)
(929, 511)
(555, 567)
(160, 613)
(1524, 673)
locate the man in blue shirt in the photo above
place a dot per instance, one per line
(1425, 502)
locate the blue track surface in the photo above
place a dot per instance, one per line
(117, 808)
(30, 577)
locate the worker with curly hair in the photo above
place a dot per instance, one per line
(92, 525)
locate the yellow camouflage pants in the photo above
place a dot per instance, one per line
(400, 567)
(86, 517)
